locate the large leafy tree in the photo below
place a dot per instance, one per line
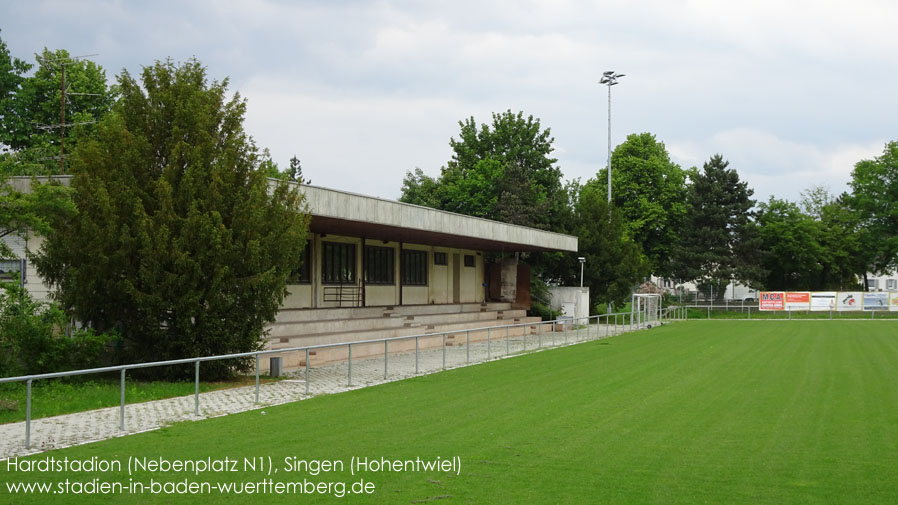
(503, 171)
(838, 236)
(717, 242)
(874, 196)
(12, 75)
(178, 243)
(31, 123)
(614, 262)
(790, 239)
(649, 189)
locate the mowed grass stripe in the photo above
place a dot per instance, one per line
(698, 412)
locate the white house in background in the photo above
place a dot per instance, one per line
(885, 282)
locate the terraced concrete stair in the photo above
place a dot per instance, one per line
(465, 322)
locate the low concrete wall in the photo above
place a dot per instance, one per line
(563, 297)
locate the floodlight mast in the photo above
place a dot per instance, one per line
(609, 79)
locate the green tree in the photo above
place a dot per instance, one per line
(419, 188)
(717, 241)
(790, 239)
(12, 75)
(614, 262)
(32, 113)
(295, 171)
(177, 243)
(839, 237)
(874, 197)
(649, 189)
(33, 210)
(502, 171)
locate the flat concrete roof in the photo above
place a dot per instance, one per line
(344, 213)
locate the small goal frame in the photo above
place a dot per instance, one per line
(645, 309)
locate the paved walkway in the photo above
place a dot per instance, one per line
(84, 427)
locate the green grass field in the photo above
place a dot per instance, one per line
(714, 412)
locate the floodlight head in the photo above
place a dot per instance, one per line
(582, 259)
(609, 78)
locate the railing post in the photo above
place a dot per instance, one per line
(526, 331)
(350, 365)
(507, 348)
(121, 409)
(196, 390)
(385, 358)
(489, 354)
(28, 414)
(257, 378)
(444, 351)
(539, 335)
(468, 347)
(416, 355)
(307, 371)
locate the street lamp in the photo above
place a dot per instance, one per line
(609, 79)
(582, 262)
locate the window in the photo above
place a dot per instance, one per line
(872, 284)
(378, 265)
(302, 273)
(11, 270)
(414, 267)
(892, 284)
(439, 258)
(337, 263)
(469, 260)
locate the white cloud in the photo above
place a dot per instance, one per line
(788, 90)
(775, 166)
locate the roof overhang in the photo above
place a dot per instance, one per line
(354, 215)
(343, 213)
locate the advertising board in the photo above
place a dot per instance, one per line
(798, 301)
(849, 300)
(772, 300)
(876, 301)
(824, 301)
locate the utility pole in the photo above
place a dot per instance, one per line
(64, 93)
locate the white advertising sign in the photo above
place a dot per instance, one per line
(850, 300)
(825, 301)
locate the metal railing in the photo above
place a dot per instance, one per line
(350, 294)
(748, 312)
(613, 324)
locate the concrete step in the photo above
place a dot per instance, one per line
(383, 323)
(361, 350)
(344, 313)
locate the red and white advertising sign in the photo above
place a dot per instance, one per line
(798, 301)
(772, 300)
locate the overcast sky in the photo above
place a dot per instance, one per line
(792, 93)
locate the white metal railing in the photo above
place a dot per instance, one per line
(613, 324)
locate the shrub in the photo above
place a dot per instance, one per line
(33, 338)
